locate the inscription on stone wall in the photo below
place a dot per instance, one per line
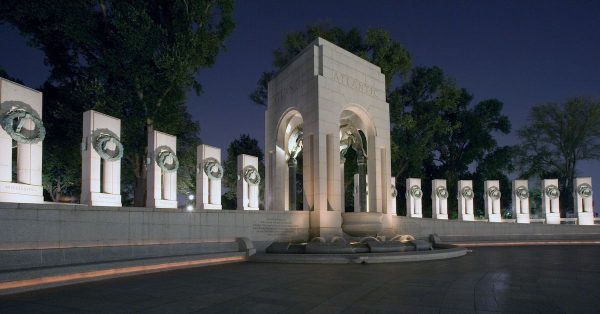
(353, 83)
(274, 226)
(289, 91)
(20, 188)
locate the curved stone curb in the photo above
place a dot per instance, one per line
(449, 251)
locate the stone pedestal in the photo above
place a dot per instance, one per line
(324, 223)
(550, 201)
(208, 177)
(28, 186)
(465, 200)
(161, 183)
(520, 200)
(100, 178)
(439, 199)
(393, 195)
(584, 200)
(248, 182)
(493, 212)
(414, 195)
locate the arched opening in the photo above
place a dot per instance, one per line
(356, 133)
(290, 143)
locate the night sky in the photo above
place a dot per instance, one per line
(521, 52)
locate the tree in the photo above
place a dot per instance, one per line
(130, 59)
(437, 133)
(376, 46)
(244, 145)
(556, 138)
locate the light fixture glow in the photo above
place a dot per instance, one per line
(191, 197)
(189, 208)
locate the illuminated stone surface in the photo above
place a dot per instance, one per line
(247, 192)
(521, 202)
(100, 178)
(466, 211)
(161, 186)
(28, 186)
(439, 199)
(493, 211)
(322, 90)
(584, 202)
(414, 200)
(208, 189)
(550, 204)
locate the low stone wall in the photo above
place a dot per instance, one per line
(456, 231)
(59, 226)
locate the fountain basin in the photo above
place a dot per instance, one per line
(362, 224)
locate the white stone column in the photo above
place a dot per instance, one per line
(393, 195)
(161, 185)
(28, 187)
(357, 207)
(342, 184)
(100, 189)
(520, 200)
(584, 200)
(247, 183)
(208, 188)
(414, 196)
(550, 201)
(466, 211)
(493, 211)
(439, 199)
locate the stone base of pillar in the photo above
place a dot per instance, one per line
(325, 224)
(165, 204)
(209, 206)
(21, 193)
(586, 218)
(388, 225)
(102, 199)
(523, 218)
(553, 218)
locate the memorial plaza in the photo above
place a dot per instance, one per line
(524, 279)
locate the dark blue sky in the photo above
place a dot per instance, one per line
(521, 52)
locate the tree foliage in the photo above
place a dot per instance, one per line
(130, 59)
(556, 138)
(438, 134)
(243, 145)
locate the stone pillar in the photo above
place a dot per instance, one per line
(161, 183)
(520, 200)
(292, 169)
(208, 177)
(414, 198)
(248, 182)
(362, 183)
(101, 174)
(584, 200)
(28, 187)
(357, 191)
(393, 195)
(439, 199)
(465, 200)
(493, 211)
(550, 201)
(342, 184)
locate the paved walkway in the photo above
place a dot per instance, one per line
(548, 279)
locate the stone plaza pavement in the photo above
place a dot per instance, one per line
(540, 279)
